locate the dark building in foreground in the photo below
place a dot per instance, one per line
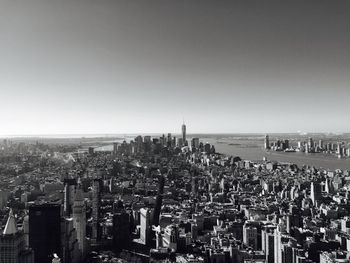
(121, 230)
(45, 231)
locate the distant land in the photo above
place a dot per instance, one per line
(248, 146)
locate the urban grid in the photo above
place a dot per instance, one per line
(167, 199)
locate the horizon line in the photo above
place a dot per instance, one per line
(81, 135)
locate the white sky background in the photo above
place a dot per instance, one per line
(120, 66)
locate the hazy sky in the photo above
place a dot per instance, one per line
(119, 66)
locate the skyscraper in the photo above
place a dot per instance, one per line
(267, 142)
(79, 220)
(311, 143)
(70, 247)
(315, 192)
(145, 225)
(195, 143)
(12, 243)
(268, 242)
(183, 128)
(250, 236)
(169, 140)
(69, 191)
(96, 200)
(121, 230)
(159, 199)
(45, 231)
(115, 148)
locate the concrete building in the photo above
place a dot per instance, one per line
(145, 225)
(79, 220)
(96, 202)
(12, 244)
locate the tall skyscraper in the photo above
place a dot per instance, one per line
(267, 142)
(311, 143)
(183, 129)
(79, 220)
(169, 140)
(12, 244)
(115, 148)
(315, 192)
(268, 242)
(69, 192)
(145, 225)
(45, 231)
(159, 199)
(195, 143)
(320, 144)
(96, 201)
(70, 247)
(121, 230)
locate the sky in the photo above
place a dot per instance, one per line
(142, 66)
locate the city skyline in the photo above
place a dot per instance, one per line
(77, 67)
(171, 131)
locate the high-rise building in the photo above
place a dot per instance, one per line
(4, 194)
(159, 199)
(121, 230)
(70, 247)
(91, 150)
(12, 244)
(267, 142)
(45, 231)
(115, 148)
(320, 144)
(139, 143)
(268, 242)
(147, 139)
(169, 140)
(207, 147)
(183, 129)
(180, 143)
(96, 202)
(250, 236)
(315, 192)
(79, 220)
(163, 140)
(195, 143)
(145, 225)
(278, 245)
(69, 192)
(339, 148)
(311, 143)
(171, 236)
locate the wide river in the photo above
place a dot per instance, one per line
(252, 151)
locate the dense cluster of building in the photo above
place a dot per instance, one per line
(341, 149)
(168, 199)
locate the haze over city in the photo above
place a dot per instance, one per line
(86, 66)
